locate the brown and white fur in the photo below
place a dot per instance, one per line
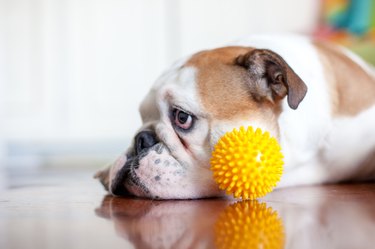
(317, 99)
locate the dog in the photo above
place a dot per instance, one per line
(315, 98)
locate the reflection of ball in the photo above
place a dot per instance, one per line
(249, 224)
(247, 163)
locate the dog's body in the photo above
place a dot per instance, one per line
(316, 99)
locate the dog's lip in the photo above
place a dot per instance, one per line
(135, 188)
(119, 174)
(126, 180)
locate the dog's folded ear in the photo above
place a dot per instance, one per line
(112, 176)
(103, 177)
(271, 78)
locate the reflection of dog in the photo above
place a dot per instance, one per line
(312, 217)
(260, 82)
(164, 224)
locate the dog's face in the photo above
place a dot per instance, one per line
(189, 108)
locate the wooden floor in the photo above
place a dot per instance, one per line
(71, 210)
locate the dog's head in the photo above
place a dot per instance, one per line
(189, 108)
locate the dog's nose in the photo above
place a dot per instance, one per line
(144, 140)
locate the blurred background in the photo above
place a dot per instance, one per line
(73, 72)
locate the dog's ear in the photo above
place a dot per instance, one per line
(103, 176)
(271, 77)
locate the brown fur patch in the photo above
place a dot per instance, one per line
(222, 84)
(352, 87)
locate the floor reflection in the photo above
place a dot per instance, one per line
(249, 224)
(163, 224)
(212, 223)
(332, 216)
(338, 216)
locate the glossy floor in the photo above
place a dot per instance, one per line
(73, 211)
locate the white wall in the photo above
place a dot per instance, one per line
(210, 23)
(2, 83)
(75, 71)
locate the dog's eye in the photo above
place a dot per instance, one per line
(182, 119)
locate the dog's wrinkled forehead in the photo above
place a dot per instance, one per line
(175, 87)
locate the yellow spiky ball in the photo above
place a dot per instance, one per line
(247, 163)
(249, 224)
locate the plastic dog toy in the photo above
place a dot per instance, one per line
(247, 163)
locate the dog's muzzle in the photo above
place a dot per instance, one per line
(143, 141)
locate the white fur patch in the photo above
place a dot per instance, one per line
(348, 144)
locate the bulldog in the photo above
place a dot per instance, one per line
(316, 99)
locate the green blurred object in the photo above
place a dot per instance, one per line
(366, 50)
